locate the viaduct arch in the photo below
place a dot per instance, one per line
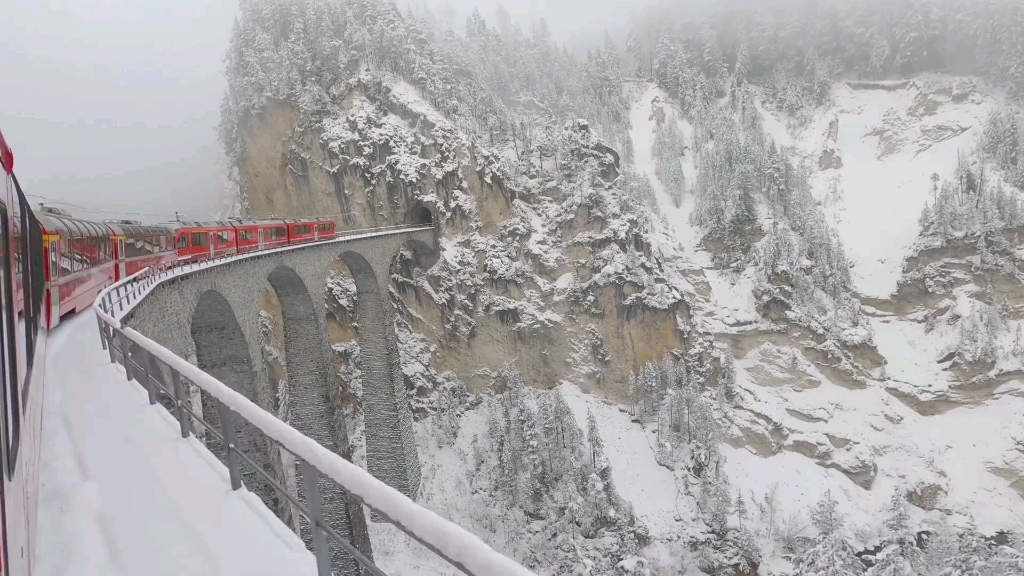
(211, 317)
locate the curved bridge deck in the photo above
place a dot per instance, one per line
(123, 494)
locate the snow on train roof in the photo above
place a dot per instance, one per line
(71, 227)
(241, 222)
(138, 229)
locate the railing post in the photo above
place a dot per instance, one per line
(124, 357)
(179, 401)
(146, 382)
(316, 518)
(103, 339)
(228, 431)
(107, 334)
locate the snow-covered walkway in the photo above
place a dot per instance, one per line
(123, 494)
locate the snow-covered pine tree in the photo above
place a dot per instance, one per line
(741, 508)
(632, 393)
(831, 555)
(939, 550)
(635, 52)
(972, 553)
(594, 439)
(899, 551)
(825, 516)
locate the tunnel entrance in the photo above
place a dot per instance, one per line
(420, 215)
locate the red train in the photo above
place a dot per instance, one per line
(52, 265)
(84, 257)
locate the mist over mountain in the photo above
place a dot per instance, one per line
(730, 290)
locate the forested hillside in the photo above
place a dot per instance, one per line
(741, 296)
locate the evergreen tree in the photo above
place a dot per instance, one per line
(939, 550)
(741, 508)
(972, 553)
(825, 516)
(830, 556)
(899, 548)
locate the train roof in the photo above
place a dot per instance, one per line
(197, 224)
(241, 222)
(123, 229)
(71, 227)
(254, 222)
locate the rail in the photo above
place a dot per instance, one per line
(166, 377)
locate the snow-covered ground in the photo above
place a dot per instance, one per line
(642, 134)
(123, 494)
(649, 487)
(891, 142)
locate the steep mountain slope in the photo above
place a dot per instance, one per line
(654, 351)
(809, 428)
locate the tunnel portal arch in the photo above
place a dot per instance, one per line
(420, 215)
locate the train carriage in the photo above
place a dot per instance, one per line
(255, 235)
(309, 230)
(275, 233)
(23, 291)
(201, 240)
(300, 231)
(81, 262)
(324, 228)
(137, 246)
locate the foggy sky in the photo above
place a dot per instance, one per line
(112, 104)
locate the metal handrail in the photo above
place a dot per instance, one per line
(138, 354)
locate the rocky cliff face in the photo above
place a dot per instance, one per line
(552, 270)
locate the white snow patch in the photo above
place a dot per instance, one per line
(112, 464)
(642, 134)
(639, 479)
(875, 200)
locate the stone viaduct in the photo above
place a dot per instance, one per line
(211, 318)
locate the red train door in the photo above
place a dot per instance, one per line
(121, 266)
(261, 238)
(53, 294)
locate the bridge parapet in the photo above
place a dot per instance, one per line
(325, 484)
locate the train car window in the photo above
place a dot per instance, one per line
(12, 421)
(65, 257)
(280, 232)
(54, 260)
(87, 255)
(199, 239)
(245, 234)
(182, 241)
(222, 237)
(73, 254)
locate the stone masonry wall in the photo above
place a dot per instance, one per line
(298, 276)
